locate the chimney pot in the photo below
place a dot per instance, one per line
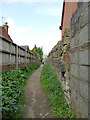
(5, 23)
(6, 26)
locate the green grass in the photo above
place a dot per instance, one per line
(56, 98)
(13, 83)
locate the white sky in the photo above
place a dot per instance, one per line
(33, 23)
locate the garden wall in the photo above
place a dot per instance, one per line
(70, 59)
(79, 58)
(12, 55)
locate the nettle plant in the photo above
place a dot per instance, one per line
(13, 83)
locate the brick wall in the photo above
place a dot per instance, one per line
(69, 8)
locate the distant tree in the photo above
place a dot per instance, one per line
(38, 52)
(44, 56)
(34, 49)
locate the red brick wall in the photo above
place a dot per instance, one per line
(8, 67)
(69, 8)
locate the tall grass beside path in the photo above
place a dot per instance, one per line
(56, 98)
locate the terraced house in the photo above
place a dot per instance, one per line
(4, 32)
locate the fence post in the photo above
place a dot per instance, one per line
(10, 52)
(25, 57)
(16, 56)
(31, 58)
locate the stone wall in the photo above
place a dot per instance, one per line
(70, 59)
(59, 59)
(79, 61)
(12, 55)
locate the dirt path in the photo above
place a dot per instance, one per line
(36, 105)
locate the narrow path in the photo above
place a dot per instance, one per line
(36, 105)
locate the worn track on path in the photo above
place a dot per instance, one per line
(36, 105)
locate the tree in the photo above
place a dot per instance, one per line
(38, 52)
(34, 49)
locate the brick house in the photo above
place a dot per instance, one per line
(68, 10)
(4, 31)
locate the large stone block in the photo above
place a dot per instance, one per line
(83, 17)
(84, 90)
(84, 35)
(88, 12)
(5, 59)
(82, 106)
(13, 49)
(84, 73)
(13, 59)
(77, 37)
(75, 85)
(89, 74)
(74, 41)
(83, 56)
(0, 59)
(74, 57)
(79, 104)
(89, 98)
(74, 70)
(5, 46)
(89, 31)
(72, 45)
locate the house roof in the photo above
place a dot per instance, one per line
(4, 33)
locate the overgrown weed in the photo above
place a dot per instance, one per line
(56, 98)
(13, 83)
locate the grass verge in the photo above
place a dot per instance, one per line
(57, 101)
(13, 83)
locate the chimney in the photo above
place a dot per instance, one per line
(6, 26)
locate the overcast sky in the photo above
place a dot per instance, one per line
(34, 22)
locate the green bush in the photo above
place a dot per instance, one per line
(13, 83)
(57, 101)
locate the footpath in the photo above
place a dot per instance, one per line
(36, 105)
